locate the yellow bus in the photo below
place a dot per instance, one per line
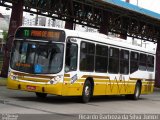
(71, 63)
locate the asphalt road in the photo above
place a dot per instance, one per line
(27, 106)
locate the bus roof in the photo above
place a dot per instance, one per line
(97, 37)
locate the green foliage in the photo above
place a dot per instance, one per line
(5, 34)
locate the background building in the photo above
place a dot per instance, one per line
(4, 24)
(4, 20)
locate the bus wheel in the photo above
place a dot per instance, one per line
(87, 90)
(137, 92)
(41, 95)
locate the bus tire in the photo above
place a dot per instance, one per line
(87, 92)
(41, 95)
(137, 92)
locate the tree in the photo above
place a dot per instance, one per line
(5, 34)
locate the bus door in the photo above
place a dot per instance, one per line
(70, 76)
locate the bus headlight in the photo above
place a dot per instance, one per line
(56, 79)
(13, 77)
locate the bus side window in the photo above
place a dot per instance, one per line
(87, 56)
(142, 62)
(134, 57)
(71, 57)
(124, 62)
(113, 60)
(150, 63)
(101, 63)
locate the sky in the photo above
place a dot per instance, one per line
(153, 5)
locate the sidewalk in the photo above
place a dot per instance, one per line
(3, 81)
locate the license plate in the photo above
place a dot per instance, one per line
(31, 87)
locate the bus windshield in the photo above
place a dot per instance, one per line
(37, 57)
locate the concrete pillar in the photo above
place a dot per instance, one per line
(104, 24)
(157, 75)
(15, 22)
(123, 36)
(124, 22)
(69, 24)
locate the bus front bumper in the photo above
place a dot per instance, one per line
(55, 89)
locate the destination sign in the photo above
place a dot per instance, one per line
(40, 34)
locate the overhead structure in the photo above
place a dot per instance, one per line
(107, 16)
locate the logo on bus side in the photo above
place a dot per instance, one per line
(74, 78)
